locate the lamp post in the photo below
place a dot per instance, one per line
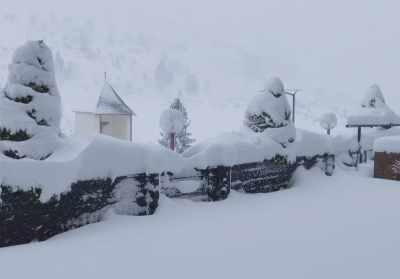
(172, 142)
(294, 98)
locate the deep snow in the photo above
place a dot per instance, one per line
(342, 226)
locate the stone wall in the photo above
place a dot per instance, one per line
(387, 165)
(24, 218)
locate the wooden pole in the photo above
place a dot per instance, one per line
(328, 131)
(172, 142)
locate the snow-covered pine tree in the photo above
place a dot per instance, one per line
(182, 140)
(163, 76)
(373, 97)
(191, 85)
(30, 107)
(270, 113)
(59, 64)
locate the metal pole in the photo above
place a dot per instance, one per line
(359, 145)
(329, 131)
(172, 142)
(294, 102)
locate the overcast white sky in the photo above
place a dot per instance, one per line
(342, 46)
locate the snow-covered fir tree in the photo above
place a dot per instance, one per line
(183, 140)
(163, 76)
(30, 107)
(191, 85)
(270, 113)
(59, 64)
(373, 98)
(207, 85)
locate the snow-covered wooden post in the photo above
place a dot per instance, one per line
(172, 122)
(328, 121)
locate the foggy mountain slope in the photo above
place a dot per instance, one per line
(232, 52)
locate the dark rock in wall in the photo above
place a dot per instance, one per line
(214, 183)
(24, 218)
(325, 162)
(261, 177)
(387, 166)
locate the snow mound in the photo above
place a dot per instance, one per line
(373, 94)
(310, 144)
(328, 120)
(230, 148)
(387, 144)
(172, 121)
(88, 157)
(275, 86)
(381, 114)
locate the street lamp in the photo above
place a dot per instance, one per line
(294, 98)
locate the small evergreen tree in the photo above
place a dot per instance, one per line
(182, 140)
(373, 98)
(191, 85)
(30, 107)
(163, 76)
(270, 113)
(59, 64)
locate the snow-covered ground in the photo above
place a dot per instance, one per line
(344, 226)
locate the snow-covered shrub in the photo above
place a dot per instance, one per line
(183, 140)
(373, 98)
(191, 85)
(30, 108)
(269, 114)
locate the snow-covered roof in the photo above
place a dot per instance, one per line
(110, 103)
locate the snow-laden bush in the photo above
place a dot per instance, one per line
(373, 98)
(269, 114)
(30, 108)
